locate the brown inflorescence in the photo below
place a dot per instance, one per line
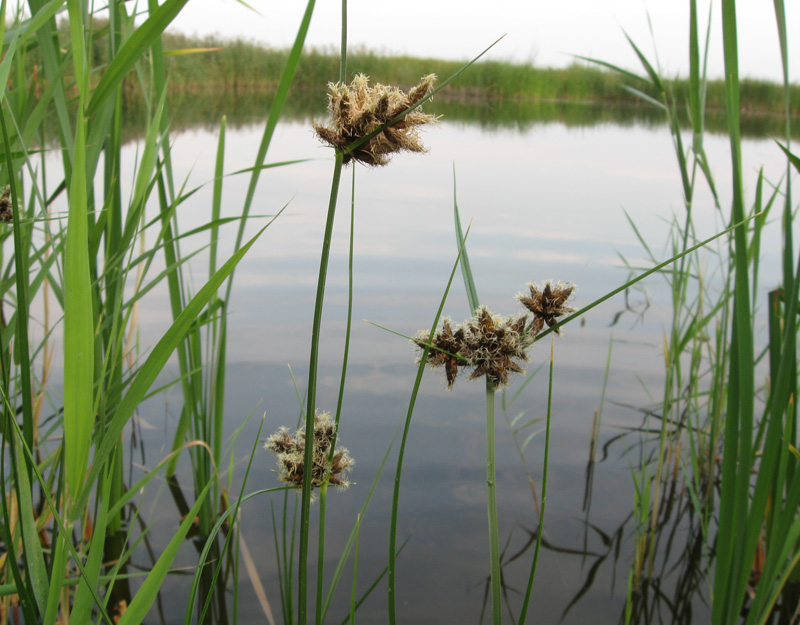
(493, 345)
(547, 303)
(497, 345)
(446, 345)
(358, 109)
(290, 450)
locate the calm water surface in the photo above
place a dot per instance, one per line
(546, 202)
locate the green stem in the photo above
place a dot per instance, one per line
(494, 544)
(305, 509)
(523, 613)
(323, 498)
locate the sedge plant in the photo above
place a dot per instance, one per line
(494, 347)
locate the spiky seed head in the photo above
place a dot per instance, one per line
(358, 109)
(498, 345)
(448, 348)
(547, 303)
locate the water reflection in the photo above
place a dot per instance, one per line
(202, 109)
(546, 201)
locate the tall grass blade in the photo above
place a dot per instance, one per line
(212, 536)
(5, 68)
(84, 598)
(33, 557)
(21, 586)
(78, 327)
(337, 573)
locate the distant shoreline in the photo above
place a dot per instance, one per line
(244, 66)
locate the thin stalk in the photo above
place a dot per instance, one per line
(353, 604)
(320, 605)
(313, 365)
(323, 497)
(323, 506)
(523, 613)
(491, 492)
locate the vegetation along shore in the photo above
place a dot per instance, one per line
(244, 66)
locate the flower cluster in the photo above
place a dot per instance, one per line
(356, 110)
(492, 345)
(291, 455)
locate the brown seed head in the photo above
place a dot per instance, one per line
(497, 345)
(547, 304)
(446, 345)
(358, 109)
(494, 345)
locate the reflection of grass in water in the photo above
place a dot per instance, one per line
(250, 107)
(203, 109)
(242, 65)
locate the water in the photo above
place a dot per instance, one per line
(544, 202)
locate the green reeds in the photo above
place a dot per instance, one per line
(716, 414)
(87, 260)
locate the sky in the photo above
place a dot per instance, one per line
(549, 34)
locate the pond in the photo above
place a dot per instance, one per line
(544, 201)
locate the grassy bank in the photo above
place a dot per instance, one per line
(241, 66)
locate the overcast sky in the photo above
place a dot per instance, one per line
(545, 32)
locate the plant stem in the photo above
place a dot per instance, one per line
(305, 509)
(524, 611)
(324, 488)
(491, 491)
